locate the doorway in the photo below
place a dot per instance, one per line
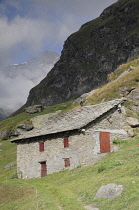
(43, 169)
(104, 142)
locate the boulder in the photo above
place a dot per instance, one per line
(34, 109)
(131, 68)
(5, 135)
(89, 207)
(130, 132)
(109, 191)
(14, 133)
(134, 95)
(132, 121)
(25, 127)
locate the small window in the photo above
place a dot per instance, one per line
(66, 142)
(67, 162)
(41, 146)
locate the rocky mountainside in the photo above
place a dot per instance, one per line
(18, 79)
(90, 54)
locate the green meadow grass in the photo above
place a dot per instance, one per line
(75, 188)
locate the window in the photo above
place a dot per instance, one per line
(67, 162)
(41, 146)
(66, 142)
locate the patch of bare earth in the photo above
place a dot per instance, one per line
(8, 193)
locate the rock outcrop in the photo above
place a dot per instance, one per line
(90, 54)
(34, 109)
(109, 191)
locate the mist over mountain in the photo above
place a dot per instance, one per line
(90, 54)
(17, 79)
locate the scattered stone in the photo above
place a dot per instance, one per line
(132, 121)
(124, 73)
(134, 95)
(109, 191)
(82, 99)
(34, 109)
(10, 165)
(5, 135)
(125, 91)
(1, 150)
(133, 182)
(130, 132)
(25, 127)
(89, 207)
(14, 133)
(131, 68)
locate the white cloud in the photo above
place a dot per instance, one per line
(20, 30)
(14, 92)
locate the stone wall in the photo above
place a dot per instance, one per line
(54, 153)
(84, 147)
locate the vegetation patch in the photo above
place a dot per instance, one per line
(119, 141)
(112, 89)
(10, 193)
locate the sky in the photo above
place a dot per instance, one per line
(29, 27)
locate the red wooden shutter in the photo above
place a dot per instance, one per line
(43, 169)
(41, 146)
(67, 162)
(104, 142)
(66, 142)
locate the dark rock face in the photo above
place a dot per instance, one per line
(90, 54)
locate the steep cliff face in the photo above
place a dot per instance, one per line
(90, 54)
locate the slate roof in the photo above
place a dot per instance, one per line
(71, 120)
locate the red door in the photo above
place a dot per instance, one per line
(104, 142)
(43, 169)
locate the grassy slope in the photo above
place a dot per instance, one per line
(112, 89)
(76, 188)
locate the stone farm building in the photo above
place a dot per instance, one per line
(78, 137)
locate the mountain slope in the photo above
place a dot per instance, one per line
(90, 54)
